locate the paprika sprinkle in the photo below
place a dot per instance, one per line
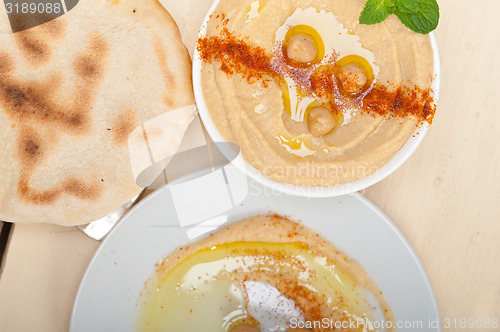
(238, 56)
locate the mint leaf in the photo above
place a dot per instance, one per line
(376, 11)
(418, 15)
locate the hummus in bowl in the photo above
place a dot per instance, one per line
(319, 104)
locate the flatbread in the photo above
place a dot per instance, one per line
(71, 92)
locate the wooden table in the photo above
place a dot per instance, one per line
(445, 199)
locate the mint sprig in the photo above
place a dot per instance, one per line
(421, 16)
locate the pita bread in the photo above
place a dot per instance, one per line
(71, 92)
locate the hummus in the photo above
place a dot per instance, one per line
(267, 108)
(265, 272)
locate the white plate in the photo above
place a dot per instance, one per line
(108, 295)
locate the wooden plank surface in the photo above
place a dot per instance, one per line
(445, 199)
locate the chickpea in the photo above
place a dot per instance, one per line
(301, 48)
(246, 328)
(353, 78)
(321, 121)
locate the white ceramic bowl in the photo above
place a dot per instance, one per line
(313, 191)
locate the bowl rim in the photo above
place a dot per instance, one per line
(314, 191)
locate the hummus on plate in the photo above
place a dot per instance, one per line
(312, 97)
(265, 273)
